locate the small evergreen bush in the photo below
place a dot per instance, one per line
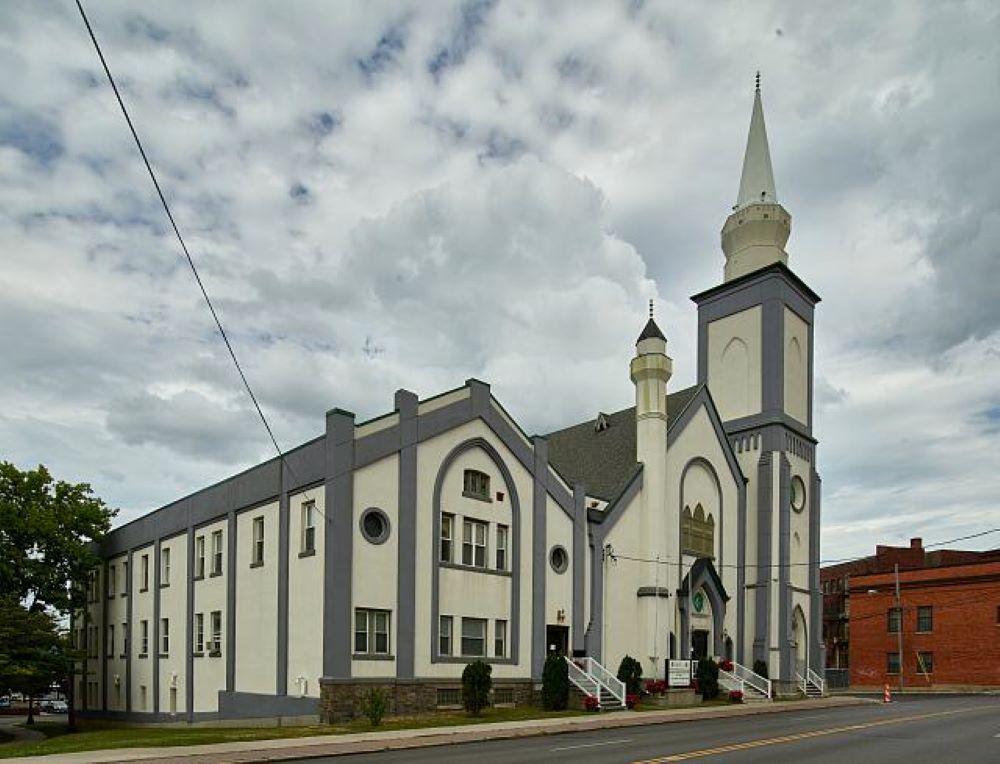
(374, 704)
(555, 683)
(630, 672)
(708, 678)
(477, 679)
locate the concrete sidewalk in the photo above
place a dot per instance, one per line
(290, 749)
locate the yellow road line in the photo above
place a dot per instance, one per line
(802, 736)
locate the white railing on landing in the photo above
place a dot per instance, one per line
(752, 679)
(583, 681)
(730, 681)
(801, 682)
(606, 679)
(813, 678)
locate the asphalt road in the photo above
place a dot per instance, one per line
(932, 729)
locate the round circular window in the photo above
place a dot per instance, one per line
(374, 525)
(798, 494)
(559, 559)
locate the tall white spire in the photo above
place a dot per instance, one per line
(757, 180)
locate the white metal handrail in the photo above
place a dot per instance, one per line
(584, 682)
(760, 683)
(730, 681)
(816, 679)
(606, 679)
(801, 681)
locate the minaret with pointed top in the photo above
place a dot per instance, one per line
(755, 234)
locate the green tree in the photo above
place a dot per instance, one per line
(555, 683)
(477, 679)
(630, 672)
(707, 674)
(33, 654)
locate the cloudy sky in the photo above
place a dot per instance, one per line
(384, 195)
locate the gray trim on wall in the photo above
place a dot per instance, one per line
(230, 601)
(189, 631)
(704, 398)
(154, 648)
(515, 546)
(281, 657)
(703, 462)
(539, 569)
(130, 652)
(817, 658)
(579, 563)
(772, 358)
(741, 573)
(703, 579)
(786, 661)
(338, 544)
(102, 599)
(406, 566)
(762, 587)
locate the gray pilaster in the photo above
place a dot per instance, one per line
(281, 669)
(772, 358)
(817, 660)
(741, 574)
(579, 561)
(406, 567)
(230, 601)
(538, 557)
(786, 658)
(189, 631)
(338, 544)
(595, 635)
(762, 587)
(154, 648)
(103, 599)
(129, 630)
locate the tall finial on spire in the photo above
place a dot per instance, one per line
(651, 307)
(757, 180)
(757, 88)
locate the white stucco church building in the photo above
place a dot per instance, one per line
(392, 552)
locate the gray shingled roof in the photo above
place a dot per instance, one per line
(604, 460)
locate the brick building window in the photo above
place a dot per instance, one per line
(892, 663)
(925, 618)
(925, 663)
(892, 620)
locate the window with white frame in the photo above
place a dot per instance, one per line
(216, 645)
(474, 543)
(199, 632)
(502, 535)
(444, 635)
(165, 567)
(447, 537)
(164, 636)
(474, 637)
(199, 557)
(144, 637)
(499, 639)
(258, 541)
(371, 631)
(309, 527)
(216, 553)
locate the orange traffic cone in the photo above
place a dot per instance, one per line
(886, 694)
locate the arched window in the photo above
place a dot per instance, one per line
(476, 485)
(697, 532)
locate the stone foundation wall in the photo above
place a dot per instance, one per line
(342, 699)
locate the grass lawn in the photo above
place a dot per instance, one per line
(5, 737)
(59, 741)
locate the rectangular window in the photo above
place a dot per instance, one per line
(112, 584)
(111, 641)
(309, 527)
(164, 636)
(124, 640)
(125, 578)
(892, 663)
(500, 639)
(447, 537)
(199, 632)
(476, 485)
(502, 547)
(258, 541)
(371, 631)
(216, 553)
(143, 637)
(199, 557)
(165, 567)
(145, 573)
(925, 663)
(474, 637)
(474, 544)
(925, 618)
(216, 645)
(444, 635)
(892, 620)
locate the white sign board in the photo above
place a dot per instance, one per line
(679, 673)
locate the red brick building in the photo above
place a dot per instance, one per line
(950, 625)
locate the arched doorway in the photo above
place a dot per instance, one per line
(800, 640)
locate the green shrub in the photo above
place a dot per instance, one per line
(630, 672)
(555, 683)
(760, 667)
(477, 679)
(374, 704)
(708, 678)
